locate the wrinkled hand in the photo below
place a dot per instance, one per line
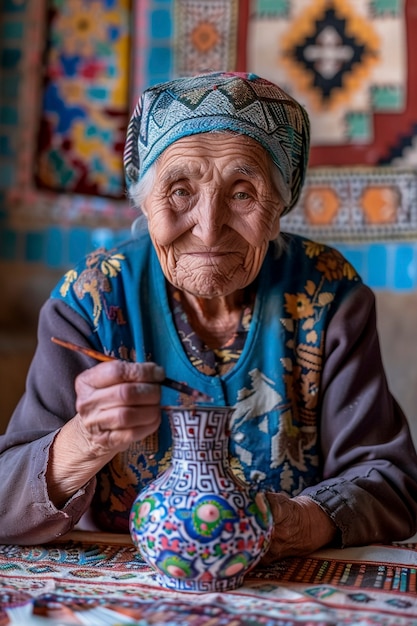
(117, 403)
(300, 527)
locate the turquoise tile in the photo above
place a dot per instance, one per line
(385, 265)
(3, 210)
(405, 267)
(9, 243)
(356, 257)
(5, 147)
(34, 246)
(55, 255)
(79, 244)
(7, 175)
(14, 6)
(10, 86)
(11, 30)
(377, 266)
(161, 25)
(159, 61)
(8, 115)
(10, 58)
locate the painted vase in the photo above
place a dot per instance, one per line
(197, 525)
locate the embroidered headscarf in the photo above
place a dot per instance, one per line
(215, 101)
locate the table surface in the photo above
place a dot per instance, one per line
(99, 579)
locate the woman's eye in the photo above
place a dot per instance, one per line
(180, 191)
(241, 195)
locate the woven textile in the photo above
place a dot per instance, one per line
(356, 204)
(337, 58)
(85, 103)
(350, 62)
(106, 582)
(186, 37)
(206, 35)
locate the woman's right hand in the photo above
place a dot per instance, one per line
(117, 403)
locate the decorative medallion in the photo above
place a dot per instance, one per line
(206, 36)
(328, 51)
(338, 59)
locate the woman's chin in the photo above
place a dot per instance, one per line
(210, 282)
(212, 289)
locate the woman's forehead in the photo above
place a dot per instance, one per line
(235, 152)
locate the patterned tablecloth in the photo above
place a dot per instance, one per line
(100, 579)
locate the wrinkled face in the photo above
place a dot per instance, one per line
(212, 211)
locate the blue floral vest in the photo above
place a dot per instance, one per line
(274, 386)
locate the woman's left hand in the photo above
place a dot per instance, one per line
(300, 527)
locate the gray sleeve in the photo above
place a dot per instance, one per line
(369, 485)
(27, 515)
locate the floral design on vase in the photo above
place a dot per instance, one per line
(199, 526)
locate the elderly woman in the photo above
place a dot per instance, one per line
(210, 292)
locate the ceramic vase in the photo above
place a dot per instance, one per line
(197, 525)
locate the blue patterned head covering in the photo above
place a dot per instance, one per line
(244, 103)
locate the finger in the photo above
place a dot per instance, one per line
(90, 399)
(112, 372)
(123, 418)
(116, 430)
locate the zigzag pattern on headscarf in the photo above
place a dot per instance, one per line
(243, 103)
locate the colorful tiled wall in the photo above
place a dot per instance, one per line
(58, 243)
(11, 33)
(46, 232)
(382, 265)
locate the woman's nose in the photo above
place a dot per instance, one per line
(209, 219)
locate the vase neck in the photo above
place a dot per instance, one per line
(200, 434)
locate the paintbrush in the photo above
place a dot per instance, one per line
(198, 396)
